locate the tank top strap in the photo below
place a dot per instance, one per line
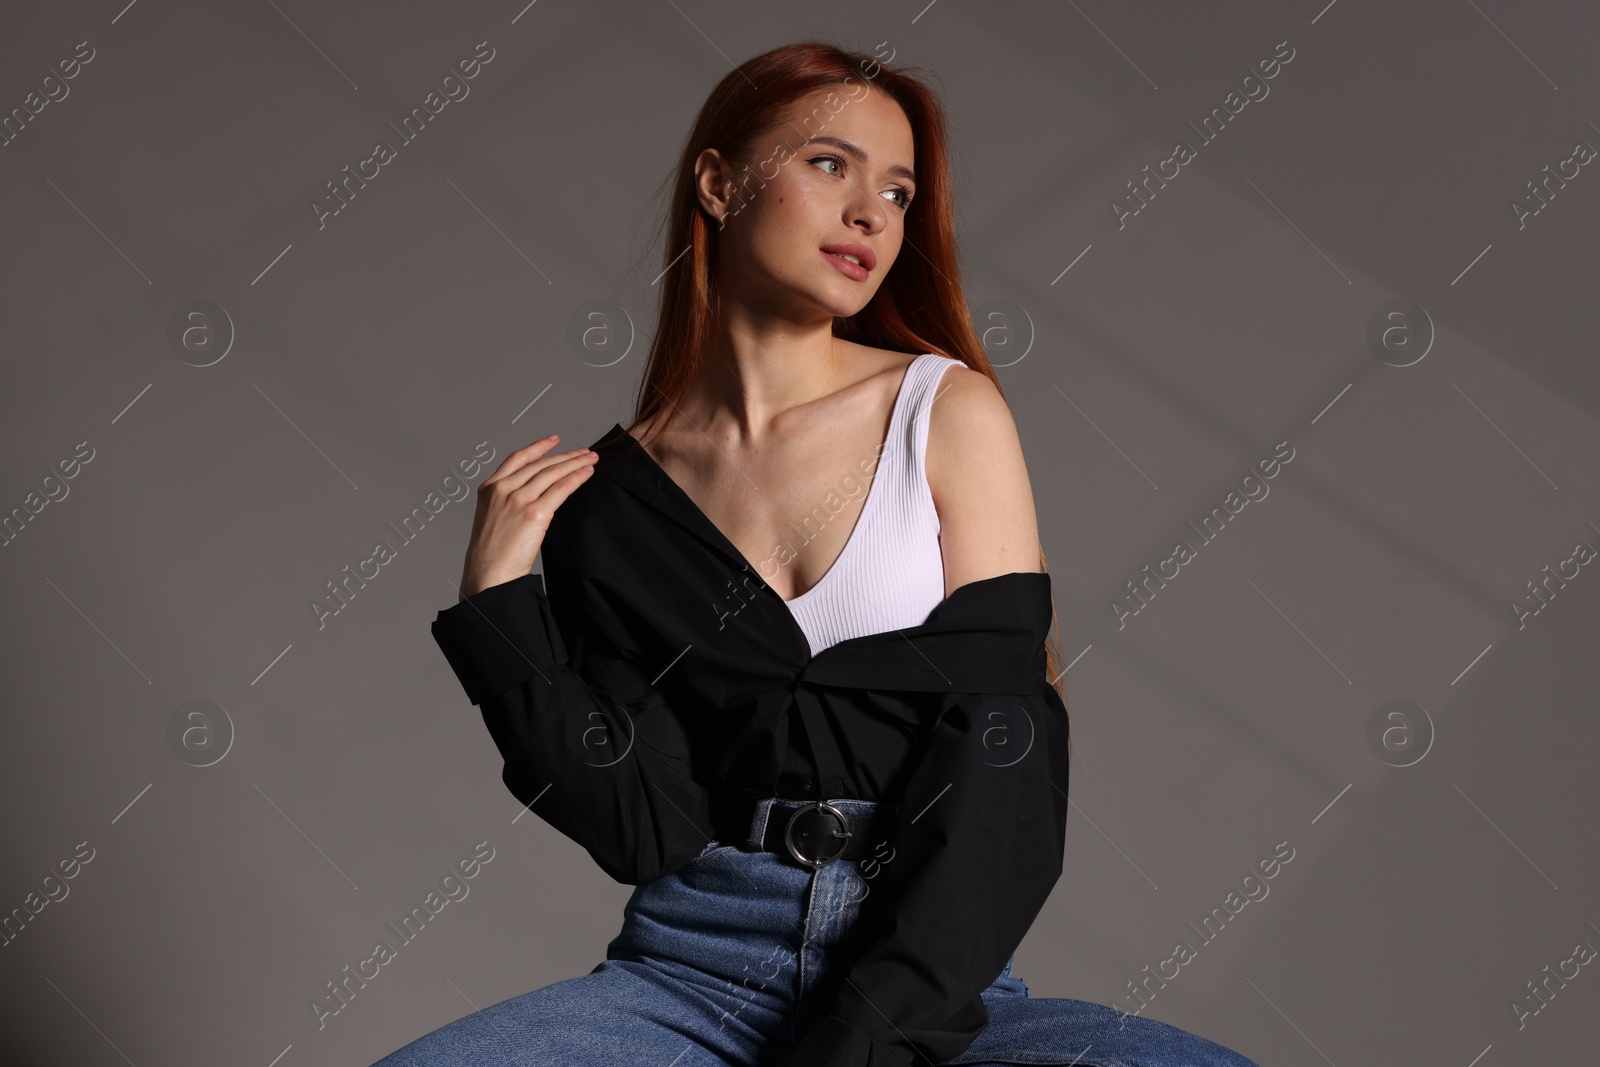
(922, 390)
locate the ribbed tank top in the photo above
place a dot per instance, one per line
(890, 574)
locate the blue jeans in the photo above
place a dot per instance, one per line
(713, 967)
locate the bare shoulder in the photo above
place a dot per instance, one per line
(888, 362)
(970, 433)
(979, 480)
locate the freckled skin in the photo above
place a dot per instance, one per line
(769, 266)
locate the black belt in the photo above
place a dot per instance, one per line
(813, 833)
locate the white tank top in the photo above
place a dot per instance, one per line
(890, 574)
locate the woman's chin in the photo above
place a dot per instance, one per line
(844, 305)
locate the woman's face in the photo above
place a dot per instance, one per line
(836, 173)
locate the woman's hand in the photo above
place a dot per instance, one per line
(515, 505)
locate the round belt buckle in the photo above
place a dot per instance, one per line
(841, 833)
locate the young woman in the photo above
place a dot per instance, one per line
(785, 668)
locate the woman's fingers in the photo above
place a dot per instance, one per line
(516, 465)
(524, 486)
(515, 506)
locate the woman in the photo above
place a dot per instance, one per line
(810, 717)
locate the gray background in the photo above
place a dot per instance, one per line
(369, 357)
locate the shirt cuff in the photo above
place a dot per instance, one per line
(832, 1042)
(500, 637)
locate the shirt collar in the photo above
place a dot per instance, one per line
(631, 467)
(986, 636)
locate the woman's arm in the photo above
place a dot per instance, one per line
(979, 842)
(589, 747)
(975, 852)
(600, 755)
(979, 479)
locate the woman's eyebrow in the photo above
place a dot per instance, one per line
(861, 157)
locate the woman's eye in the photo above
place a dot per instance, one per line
(906, 195)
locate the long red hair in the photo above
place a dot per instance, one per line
(919, 307)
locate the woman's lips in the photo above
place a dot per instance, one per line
(849, 269)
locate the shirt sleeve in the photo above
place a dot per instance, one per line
(952, 890)
(597, 753)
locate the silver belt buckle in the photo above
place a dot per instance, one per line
(840, 832)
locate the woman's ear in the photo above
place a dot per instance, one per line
(713, 179)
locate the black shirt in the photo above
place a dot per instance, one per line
(650, 675)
